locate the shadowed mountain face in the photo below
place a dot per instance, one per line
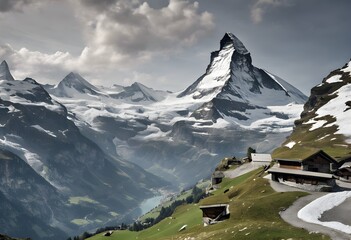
(62, 179)
(324, 122)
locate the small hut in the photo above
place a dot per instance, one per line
(212, 214)
(217, 177)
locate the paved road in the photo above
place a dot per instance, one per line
(341, 213)
(290, 216)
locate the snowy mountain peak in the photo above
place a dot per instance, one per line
(230, 38)
(5, 73)
(73, 84)
(138, 92)
(233, 87)
(76, 80)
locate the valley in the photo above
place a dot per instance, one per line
(96, 155)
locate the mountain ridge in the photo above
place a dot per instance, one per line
(323, 124)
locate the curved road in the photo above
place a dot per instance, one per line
(290, 214)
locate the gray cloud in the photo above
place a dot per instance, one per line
(18, 5)
(262, 6)
(126, 31)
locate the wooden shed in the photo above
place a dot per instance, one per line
(214, 213)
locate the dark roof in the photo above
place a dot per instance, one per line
(324, 154)
(214, 205)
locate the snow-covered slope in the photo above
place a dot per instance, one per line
(74, 86)
(174, 135)
(325, 121)
(233, 88)
(71, 176)
(138, 92)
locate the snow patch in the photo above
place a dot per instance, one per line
(44, 130)
(313, 211)
(290, 144)
(336, 107)
(334, 79)
(347, 68)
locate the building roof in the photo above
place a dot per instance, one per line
(300, 172)
(261, 157)
(214, 205)
(324, 154)
(290, 160)
(345, 165)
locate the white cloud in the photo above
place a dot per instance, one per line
(146, 79)
(119, 34)
(262, 6)
(24, 62)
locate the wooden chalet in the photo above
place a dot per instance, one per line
(316, 169)
(318, 162)
(214, 213)
(344, 171)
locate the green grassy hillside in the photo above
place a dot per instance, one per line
(254, 208)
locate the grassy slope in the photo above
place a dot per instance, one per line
(182, 196)
(308, 142)
(254, 208)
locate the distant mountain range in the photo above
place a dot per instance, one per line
(325, 120)
(57, 176)
(174, 135)
(75, 156)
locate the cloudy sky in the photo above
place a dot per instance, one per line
(166, 44)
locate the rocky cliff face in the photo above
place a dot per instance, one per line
(233, 87)
(324, 122)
